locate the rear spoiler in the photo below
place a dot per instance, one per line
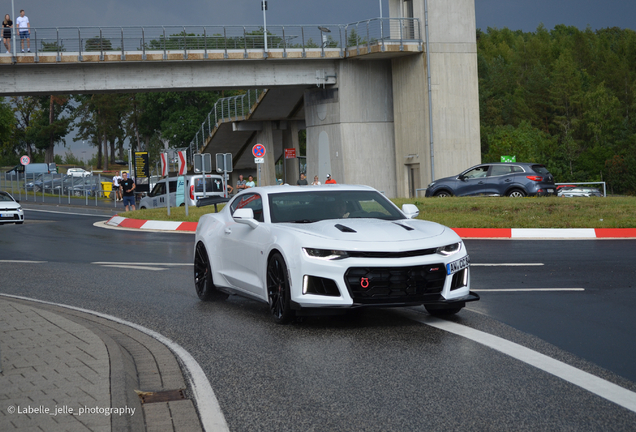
(214, 200)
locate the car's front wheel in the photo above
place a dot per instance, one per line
(443, 194)
(203, 276)
(516, 193)
(442, 311)
(278, 293)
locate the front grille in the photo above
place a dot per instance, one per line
(385, 285)
(403, 254)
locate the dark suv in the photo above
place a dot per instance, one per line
(497, 179)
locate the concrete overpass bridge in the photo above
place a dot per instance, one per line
(362, 91)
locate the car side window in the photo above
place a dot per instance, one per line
(253, 201)
(517, 169)
(478, 172)
(499, 170)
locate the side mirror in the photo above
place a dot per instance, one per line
(462, 177)
(410, 210)
(245, 216)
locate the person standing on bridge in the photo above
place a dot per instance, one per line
(25, 30)
(7, 25)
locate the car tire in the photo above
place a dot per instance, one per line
(516, 193)
(77, 193)
(36, 189)
(442, 311)
(443, 194)
(203, 282)
(19, 223)
(142, 208)
(278, 290)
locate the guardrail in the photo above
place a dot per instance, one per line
(165, 39)
(28, 187)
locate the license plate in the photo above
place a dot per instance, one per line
(458, 265)
(551, 190)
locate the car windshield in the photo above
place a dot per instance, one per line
(314, 206)
(5, 197)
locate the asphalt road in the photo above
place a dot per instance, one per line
(376, 370)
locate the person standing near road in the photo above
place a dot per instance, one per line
(7, 25)
(330, 180)
(116, 180)
(250, 182)
(128, 186)
(316, 182)
(302, 181)
(25, 30)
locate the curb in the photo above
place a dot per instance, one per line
(467, 233)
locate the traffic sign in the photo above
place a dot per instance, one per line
(290, 153)
(259, 160)
(25, 160)
(258, 150)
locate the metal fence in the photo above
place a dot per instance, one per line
(35, 187)
(166, 39)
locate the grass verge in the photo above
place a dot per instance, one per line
(485, 212)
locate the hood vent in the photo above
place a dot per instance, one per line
(345, 228)
(406, 227)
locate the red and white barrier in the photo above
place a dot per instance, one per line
(485, 233)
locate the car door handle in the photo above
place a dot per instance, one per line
(228, 230)
(481, 182)
(508, 180)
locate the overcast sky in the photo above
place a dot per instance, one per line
(523, 15)
(515, 14)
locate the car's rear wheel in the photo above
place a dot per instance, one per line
(443, 194)
(278, 293)
(516, 193)
(203, 276)
(442, 311)
(36, 188)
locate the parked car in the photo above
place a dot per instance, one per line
(496, 179)
(194, 185)
(80, 186)
(10, 209)
(570, 192)
(46, 182)
(326, 249)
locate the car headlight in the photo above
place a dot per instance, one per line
(431, 184)
(449, 249)
(326, 254)
(20, 208)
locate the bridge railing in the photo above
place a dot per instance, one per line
(168, 39)
(233, 108)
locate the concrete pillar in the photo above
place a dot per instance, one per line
(453, 53)
(266, 137)
(350, 127)
(290, 140)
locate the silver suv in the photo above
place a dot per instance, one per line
(497, 179)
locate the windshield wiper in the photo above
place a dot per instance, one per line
(304, 221)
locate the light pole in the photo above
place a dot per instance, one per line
(264, 8)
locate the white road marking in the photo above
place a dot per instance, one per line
(23, 262)
(598, 386)
(142, 263)
(210, 413)
(69, 213)
(135, 267)
(528, 289)
(506, 265)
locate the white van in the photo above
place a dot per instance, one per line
(194, 188)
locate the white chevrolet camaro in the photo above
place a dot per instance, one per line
(326, 249)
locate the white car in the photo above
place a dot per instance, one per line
(77, 172)
(194, 190)
(326, 249)
(10, 209)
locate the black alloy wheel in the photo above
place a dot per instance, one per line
(278, 293)
(203, 276)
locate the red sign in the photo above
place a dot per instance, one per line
(25, 160)
(290, 153)
(183, 166)
(258, 150)
(164, 164)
